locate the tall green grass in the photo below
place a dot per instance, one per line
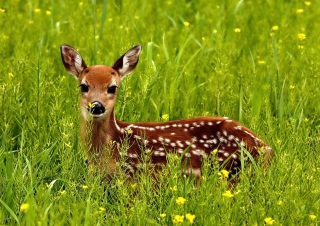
(254, 61)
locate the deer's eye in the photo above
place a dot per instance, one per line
(112, 89)
(84, 88)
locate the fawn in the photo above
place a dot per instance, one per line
(194, 138)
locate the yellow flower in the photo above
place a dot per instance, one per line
(299, 10)
(84, 187)
(2, 10)
(180, 201)
(174, 188)
(165, 117)
(24, 207)
(215, 151)
(302, 36)
(101, 209)
(261, 62)
(223, 174)
(37, 10)
(312, 216)
(275, 28)
(48, 12)
(10, 75)
(280, 202)
(269, 221)
(177, 219)
(307, 3)
(163, 215)
(91, 105)
(186, 23)
(228, 194)
(190, 217)
(237, 30)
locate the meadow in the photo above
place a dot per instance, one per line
(254, 61)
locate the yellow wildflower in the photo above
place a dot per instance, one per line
(10, 75)
(2, 10)
(163, 215)
(48, 12)
(37, 10)
(24, 207)
(312, 216)
(261, 62)
(190, 217)
(223, 174)
(215, 151)
(91, 105)
(180, 201)
(177, 219)
(186, 23)
(269, 221)
(307, 3)
(302, 36)
(174, 188)
(237, 30)
(299, 10)
(101, 209)
(84, 187)
(165, 117)
(280, 202)
(275, 28)
(228, 194)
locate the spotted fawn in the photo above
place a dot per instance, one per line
(193, 139)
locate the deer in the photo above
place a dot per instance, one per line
(193, 139)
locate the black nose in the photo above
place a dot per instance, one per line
(96, 108)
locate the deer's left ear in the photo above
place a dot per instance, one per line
(128, 62)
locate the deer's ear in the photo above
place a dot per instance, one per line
(72, 60)
(128, 62)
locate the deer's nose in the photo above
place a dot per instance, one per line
(96, 108)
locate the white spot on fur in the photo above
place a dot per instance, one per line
(238, 127)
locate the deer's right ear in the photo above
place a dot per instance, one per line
(128, 61)
(72, 60)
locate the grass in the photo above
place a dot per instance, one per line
(254, 61)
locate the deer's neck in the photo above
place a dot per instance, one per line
(99, 133)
